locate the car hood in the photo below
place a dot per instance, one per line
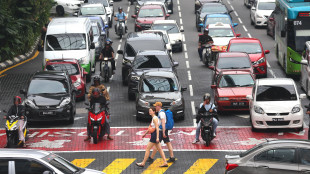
(161, 96)
(264, 12)
(139, 72)
(175, 36)
(255, 57)
(221, 40)
(234, 92)
(149, 20)
(47, 99)
(277, 106)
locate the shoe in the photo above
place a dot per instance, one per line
(164, 165)
(171, 160)
(87, 139)
(139, 165)
(113, 72)
(195, 142)
(109, 137)
(214, 134)
(150, 160)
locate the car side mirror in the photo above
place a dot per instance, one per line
(249, 97)
(86, 103)
(302, 96)
(230, 11)
(212, 67)
(75, 14)
(175, 64)
(169, 11)
(183, 89)
(304, 62)
(238, 35)
(213, 86)
(22, 91)
(200, 25)
(92, 45)
(267, 51)
(235, 24)
(134, 16)
(283, 33)
(120, 52)
(182, 30)
(271, 19)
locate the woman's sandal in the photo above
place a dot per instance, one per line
(139, 165)
(164, 165)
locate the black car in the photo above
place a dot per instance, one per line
(50, 96)
(135, 42)
(160, 86)
(168, 3)
(199, 3)
(210, 8)
(146, 61)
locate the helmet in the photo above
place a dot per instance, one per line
(206, 96)
(95, 92)
(206, 30)
(108, 42)
(120, 8)
(17, 98)
(97, 78)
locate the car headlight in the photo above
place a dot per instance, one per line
(135, 78)
(258, 109)
(138, 23)
(64, 102)
(259, 16)
(261, 60)
(31, 104)
(177, 102)
(77, 82)
(223, 98)
(143, 103)
(295, 109)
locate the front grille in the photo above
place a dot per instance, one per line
(48, 107)
(279, 114)
(277, 123)
(146, 27)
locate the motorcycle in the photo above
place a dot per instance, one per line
(106, 69)
(11, 129)
(120, 28)
(206, 128)
(131, 2)
(207, 56)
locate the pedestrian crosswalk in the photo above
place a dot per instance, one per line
(119, 165)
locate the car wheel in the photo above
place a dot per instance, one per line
(137, 117)
(71, 120)
(60, 11)
(252, 22)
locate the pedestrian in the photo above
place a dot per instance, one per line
(155, 139)
(164, 132)
(308, 112)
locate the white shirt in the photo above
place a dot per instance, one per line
(162, 115)
(208, 106)
(152, 123)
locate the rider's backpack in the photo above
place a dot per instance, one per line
(169, 120)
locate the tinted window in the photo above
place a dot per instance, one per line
(72, 69)
(23, 166)
(92, 11)
(277, 155)
(214, 9)
(61, 164)
(158, 84)
(42, 86)
(275, 93)
(147, 45)
(65, 42)
(221, 32)
(145, 13)
(250, 48)
(238, 80)
(234, 63)
(266, 6)
(170, 28)
(152, 61)
(95, 30)
(305, 157)
(4, 166)
(212, 20)
(130, 51)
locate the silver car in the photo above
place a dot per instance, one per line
(272, 157)
(99, 38)
(28, 161)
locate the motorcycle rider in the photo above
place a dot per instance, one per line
(96, 97)
(102, 88)
(107, 51)
(206, 106)
(203, 40)
(122, 16)
(18, 110)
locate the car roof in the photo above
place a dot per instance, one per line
(71, 61)
(93, 5)
(244, 40)
(212, 4)
(152, 52)
(275, 81)
(232, 54)
(228, 71)
(219, 25)
(30, 153)
(51, 74)
(165, 22)
(138, 36)
(160, 74)
(151, 6)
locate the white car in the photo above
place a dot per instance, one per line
(173, 30)
(275, 103)
(260, 11)
(165, 37)
(108, 5)
(66, 6)
(94, 10)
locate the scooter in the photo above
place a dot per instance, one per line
(106, 69)
(120, 28)
(11, 128)
(207, 55)
(207, 127)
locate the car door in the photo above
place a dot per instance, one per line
(304, 163)
(276, 161)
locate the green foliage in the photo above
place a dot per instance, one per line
(20, 23)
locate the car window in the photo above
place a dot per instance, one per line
(233, 80)
(275, 93)
(24, 166)
(283, 155)
(214, 9)
(214, 20)
(72, 69)
(250, 48)
(221, 32)
(61, 164)
(69, 41)
(233, 63)
(159, 84)
(130, 51)
(145, 13)
(42, 86)
(152, 61)
(305, 157)
(92, 11)
(4, 166)
(170, 28)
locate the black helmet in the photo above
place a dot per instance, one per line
(17, 98)
(97, 78)
(206, 96)
(206, 30)
(108, 42)
(120, 8)
(95, 92)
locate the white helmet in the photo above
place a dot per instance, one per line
(206, 96)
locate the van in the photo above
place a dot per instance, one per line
(71, 38)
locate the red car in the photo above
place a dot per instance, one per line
(147, 14)
(254, 49)
(77, 73)
(231, 88)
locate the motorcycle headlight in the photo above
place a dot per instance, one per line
(31, 104)
(258, 109)
(92, 119)
(201, 19)
(135, 78)
(223, 98)
(99, 119)
(261, 60)
(64, 102)
(143, 103)
(106, 59)
(177, 102)
(295, 109)
(77, 83)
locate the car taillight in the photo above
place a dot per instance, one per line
(231, 166)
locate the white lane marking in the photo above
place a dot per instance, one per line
(268, 65)
(184, 47)
(179, 8)
(121, 40)
(272, 73)
(178, 2)
(119, 47)
(128, 9)
(33, 134)
(180, 14)
(244, 28)
(189, 75)
(193, 107)
(232, 7)
(120, 133)
(43, 134)
(240, 20)
(249, 35)
(116, 57)
(228, 2)
(183, 35)
(191, 92)
(187, 64)
(236, 13)
(108, 89)
(181, 21)
(186, 55)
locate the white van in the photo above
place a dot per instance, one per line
(70, 38)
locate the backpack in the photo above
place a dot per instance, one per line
(169, 120)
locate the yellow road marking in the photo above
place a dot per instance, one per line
(3, 75)
(201, 166)
(154, 167)
(35, 55)
(118, 165)
(83, 162)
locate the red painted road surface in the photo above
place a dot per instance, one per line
(131, 139)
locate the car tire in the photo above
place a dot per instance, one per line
(71, 120)
(300, 129)
(60, 11)
(137, 117)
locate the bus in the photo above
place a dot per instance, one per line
(292, 30)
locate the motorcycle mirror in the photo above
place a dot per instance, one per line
(120, 52)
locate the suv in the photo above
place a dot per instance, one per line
(138, 42)
(160, 86)
(94, 10)
(50, 96)
(148, 61)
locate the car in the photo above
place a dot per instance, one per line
(271, 26)
(160, 86)
(199, 3)
(231, 61)
(275, 103)
(104, 28)
(146, 61)
(99, 38)
(173, 30)
(165, 36)
(30, 161)
(76, 72)
(168, 4)
(164, 6)
(248, 3)
(108, 7)
(231, 88)
(273, 156)
(62, 7)
(214, 18)
(50, 96)
(147, 14)
(93, 10)
(260, 11)
(210, 8)
(254, 49)
(135, 42)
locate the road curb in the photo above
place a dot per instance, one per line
(20, 58)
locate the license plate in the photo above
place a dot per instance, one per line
(95, 127)
(278, 119)
(238, 104)
(48, 113)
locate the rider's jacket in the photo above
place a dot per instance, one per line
(101, 87)
(203, 39)
(18, 110)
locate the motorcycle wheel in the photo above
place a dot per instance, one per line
(208, 140)
(11, 141)
(121, 36)
(95, 137)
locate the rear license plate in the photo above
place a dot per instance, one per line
(278, 119)
(238, 104)
(95, 127)
(48, 113)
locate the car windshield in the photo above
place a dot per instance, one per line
(221, 32)
(234, 63)
(213, 9)
(97, 20)
(61, 164)
(159, 84)
(92, 11)
(212, 20)
(72, 41)
(170, 28)
(104, 2)
(152, 61)
(236, 80)
(72, 69)
(133, 47)
(276, 93)
(250, 48)
(95, 30)
(266, 6)
(43, 86)
(252, 150)
(149, 13)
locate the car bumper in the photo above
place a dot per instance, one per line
(261, 22)
(232, 105)
(178, 112)
(56, 114)
(260, 69)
